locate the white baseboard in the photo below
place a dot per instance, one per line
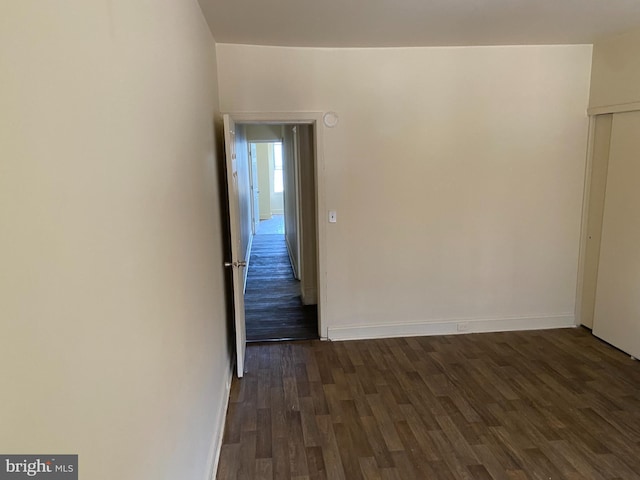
(450, 327)
(216, 443)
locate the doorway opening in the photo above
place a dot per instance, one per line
(266, 184)
(280, 295)
(301, 136)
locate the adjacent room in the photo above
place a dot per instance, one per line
(456, 204)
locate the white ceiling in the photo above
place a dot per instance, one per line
(389, 23)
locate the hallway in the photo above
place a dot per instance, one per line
(273, 309)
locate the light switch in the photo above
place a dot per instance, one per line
(333, 216)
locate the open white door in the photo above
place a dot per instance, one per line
(236, 263)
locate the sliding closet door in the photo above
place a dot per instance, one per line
(595, 208)
(617, 309)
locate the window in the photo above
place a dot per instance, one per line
(278, 179)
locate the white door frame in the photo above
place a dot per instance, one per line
(253, 177)
(299, 264)
(315, 120)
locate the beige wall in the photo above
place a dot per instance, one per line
(114, 339)
(615, 78)
(264, 133)
(308, 215)
(457, 174)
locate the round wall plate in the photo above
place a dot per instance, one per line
(330, 119)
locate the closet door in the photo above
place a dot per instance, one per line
(597, 189)
(617, 309)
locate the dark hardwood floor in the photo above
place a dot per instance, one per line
(555, 404)
(273, 306)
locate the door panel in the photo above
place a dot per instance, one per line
(601, 145)
(617, 309)
(236, 263)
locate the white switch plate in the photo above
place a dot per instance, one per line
(333, 216)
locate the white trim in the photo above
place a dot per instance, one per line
(277, 118)
(619, 108)
(299, 270)
(275, 140)
(451, 327)
(584, 224)
(315, 119)
(216, 442)
(248, 260)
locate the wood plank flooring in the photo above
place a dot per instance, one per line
(555, 404)
(273, 306)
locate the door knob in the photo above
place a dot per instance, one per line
(235, 264)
